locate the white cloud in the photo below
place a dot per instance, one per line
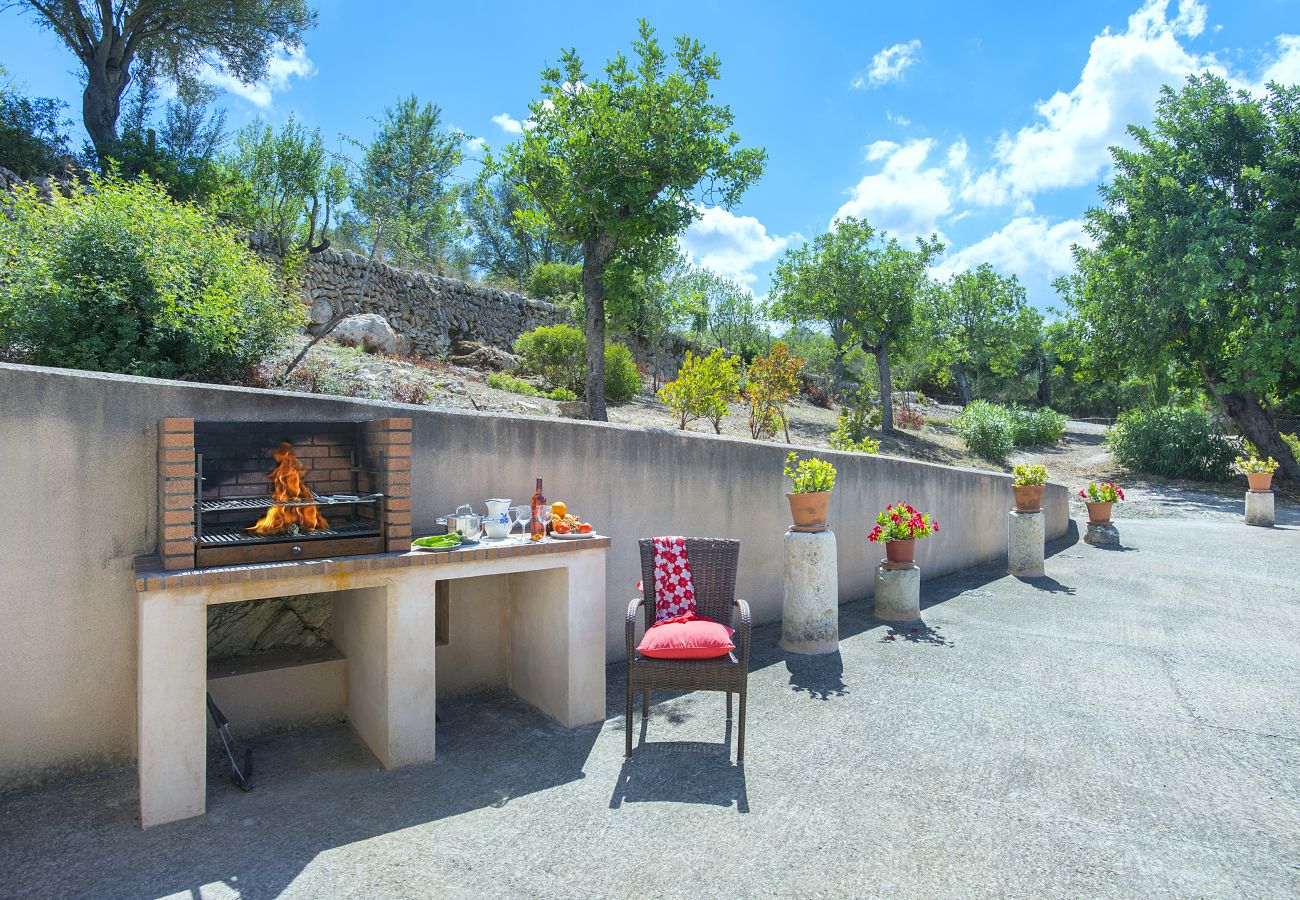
(1068, 143)
(283, 66)
(888, 65)
(729, 244)
(900, 121)
(475, 144)
(508, 123)
(1027, 247)
(906, 197)
(1284, 66)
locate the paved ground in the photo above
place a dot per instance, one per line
(1127, 727)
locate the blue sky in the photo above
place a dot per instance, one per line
(988, 123)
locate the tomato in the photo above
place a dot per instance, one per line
(561, 528)
(584, 528)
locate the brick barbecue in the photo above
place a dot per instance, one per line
(233, 493)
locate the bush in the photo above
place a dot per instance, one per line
(988, 430)
(856, 418)
(503, 382)
(558, 355)
(1172, 441)
(1041, 426)
(555, 281)
(622, 377)
(907, 417)
(703, 389)
(120, 278)
(33, 134)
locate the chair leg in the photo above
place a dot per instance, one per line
(728, 706)
(740, 732)
(645, 702)
(628, 750)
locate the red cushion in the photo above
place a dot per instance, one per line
(697, 639)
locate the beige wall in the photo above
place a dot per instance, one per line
(78, 503)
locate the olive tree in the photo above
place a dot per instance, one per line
(619, 164)
(180, 37)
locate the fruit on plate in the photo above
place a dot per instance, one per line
(559, 509)
(584, 528)
(561, 527)
(569, 524)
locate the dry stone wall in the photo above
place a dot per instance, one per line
(429, 311)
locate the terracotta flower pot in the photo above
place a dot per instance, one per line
(1260, 481)
(1029, 497)
(809, 510)
(900, 554)
(1099, 512)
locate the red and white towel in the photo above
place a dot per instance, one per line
(674, 588)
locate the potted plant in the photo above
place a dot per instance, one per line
(1259, 472)
(1099, 498)
(1027, 484)
(899, 527)
(813, 480)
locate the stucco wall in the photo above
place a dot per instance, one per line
(77, 485)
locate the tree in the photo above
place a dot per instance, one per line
(179, 37)
(1197, 254)
(703, 389)
(404, 177)
(862, 286)
(723, 312)
(984, 326)
(294, 187)
(615, 164)
(502, 246)
(773, 382)
(33, 139)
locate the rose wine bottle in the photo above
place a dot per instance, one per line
(537, 528)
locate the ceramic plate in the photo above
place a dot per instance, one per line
(463, 544)
(574, 537)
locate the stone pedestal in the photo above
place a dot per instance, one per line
(1102, 536)
(1259, 508)
(898, 594)
(1025, 543)
(810, 616)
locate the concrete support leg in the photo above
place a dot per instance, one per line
(810, 616)
(898, 594)
(388, 635)
(557, 639)
(1025, 544)
(1259, 508)
(170, 687)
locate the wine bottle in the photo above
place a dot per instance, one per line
(536, 528)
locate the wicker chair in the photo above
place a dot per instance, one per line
(713, 569)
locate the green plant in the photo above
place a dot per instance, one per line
(562, 394)
(988, 430)
(119, 278)
(504, 382)
(1293, 441)
(1042, 426)
(703, 389)
(901, 522)
(1172, 441)
(622, 377)
(1101, 492)
(907, 417)
(1026, 475)
(810, 475)
(1256, 466)
(555, 280)
(773, 381)
(849, 435)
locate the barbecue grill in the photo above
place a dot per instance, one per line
(233, 462)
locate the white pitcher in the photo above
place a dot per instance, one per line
(499, 519)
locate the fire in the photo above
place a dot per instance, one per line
(288, 486)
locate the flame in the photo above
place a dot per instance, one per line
(288, 485)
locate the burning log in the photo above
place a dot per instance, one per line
(289, 486)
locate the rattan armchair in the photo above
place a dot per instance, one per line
(713, 569)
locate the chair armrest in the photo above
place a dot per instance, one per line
(632, 609)
(746, 627)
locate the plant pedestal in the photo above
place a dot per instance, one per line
(1102, 536)
(1259, 508)
(810, 613)
(1025, 543)
(898, 594)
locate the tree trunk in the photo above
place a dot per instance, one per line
(101, 103)
(596, 254)
(881, 352)
(1257, 424)
(963, 384)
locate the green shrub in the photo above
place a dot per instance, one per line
(1172, 441)
(856, 418)
(562, 394)
(988, 430)
(120, 278)
(503, 382)
(1293, 441)
(558, 355)
(1039, 426)
(703, 389)
(555, 281)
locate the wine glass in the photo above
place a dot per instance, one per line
(543, 516)
(519, 516)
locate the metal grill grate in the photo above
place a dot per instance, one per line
(235, 534)
(226, 504)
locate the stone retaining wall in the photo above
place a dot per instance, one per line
(430, 311)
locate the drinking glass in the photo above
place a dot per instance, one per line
(543, 516)
(520, 517)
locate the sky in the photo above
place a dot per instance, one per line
(988, 123)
